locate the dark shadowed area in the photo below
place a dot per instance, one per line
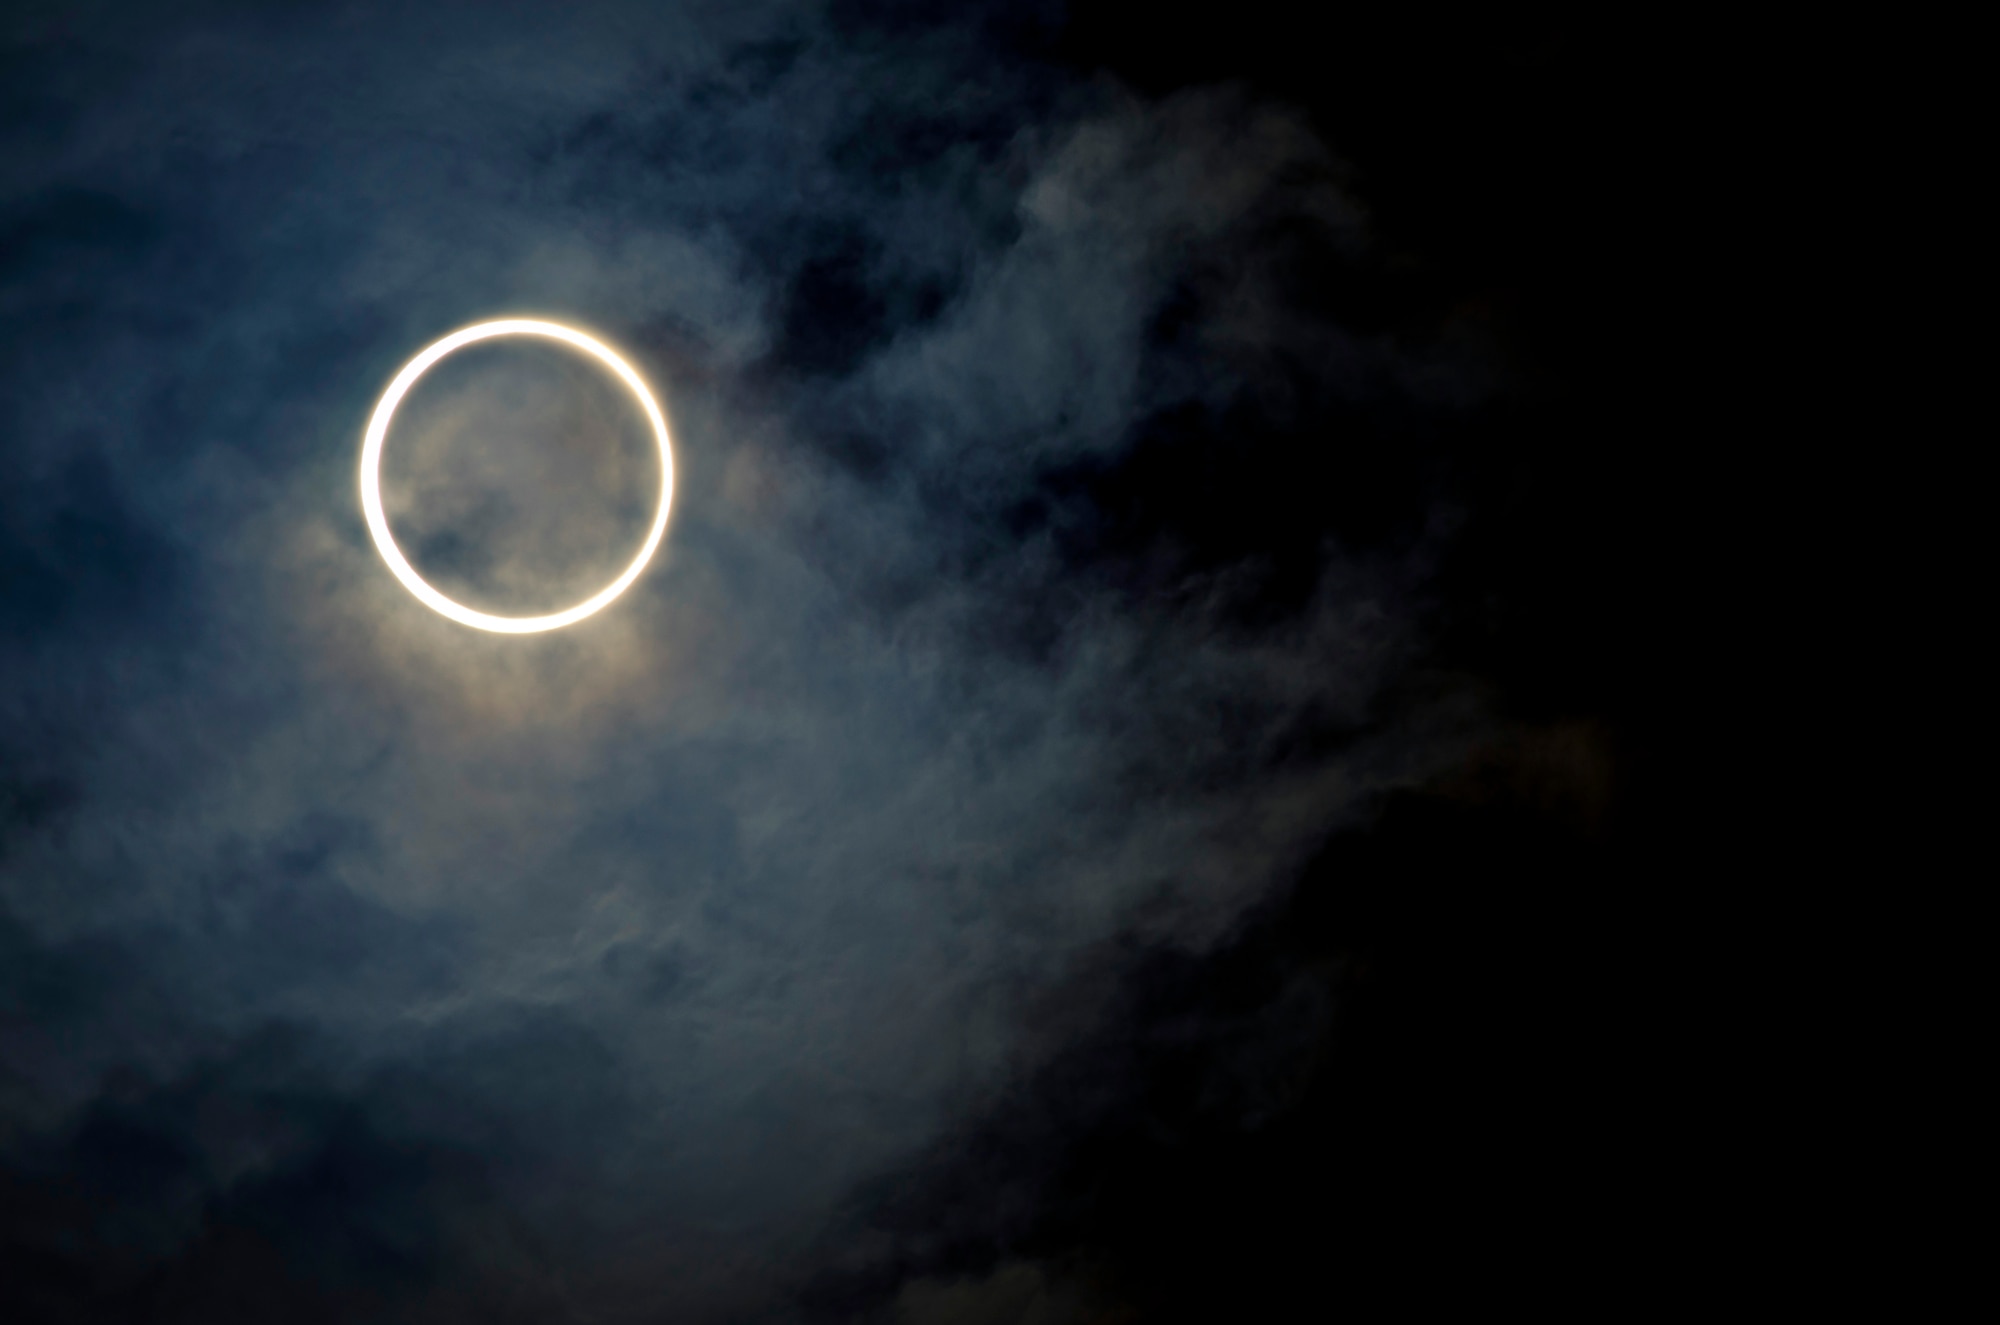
(524, 477)
(1142, 785)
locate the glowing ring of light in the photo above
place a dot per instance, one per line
(378, 433)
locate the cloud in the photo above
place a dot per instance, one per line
(641, 945)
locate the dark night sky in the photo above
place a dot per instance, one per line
(1135, 791)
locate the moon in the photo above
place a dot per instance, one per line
(378, 434)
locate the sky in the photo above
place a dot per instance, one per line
(1107, 805)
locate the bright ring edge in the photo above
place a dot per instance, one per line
(377, 437)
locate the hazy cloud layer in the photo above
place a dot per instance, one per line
(585, 976)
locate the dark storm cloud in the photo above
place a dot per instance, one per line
(358, 960)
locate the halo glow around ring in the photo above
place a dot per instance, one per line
(378, 433)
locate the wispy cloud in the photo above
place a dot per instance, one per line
(659, 934)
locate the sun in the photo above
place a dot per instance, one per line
(378, 434)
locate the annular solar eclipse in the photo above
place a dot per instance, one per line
(378, 434)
